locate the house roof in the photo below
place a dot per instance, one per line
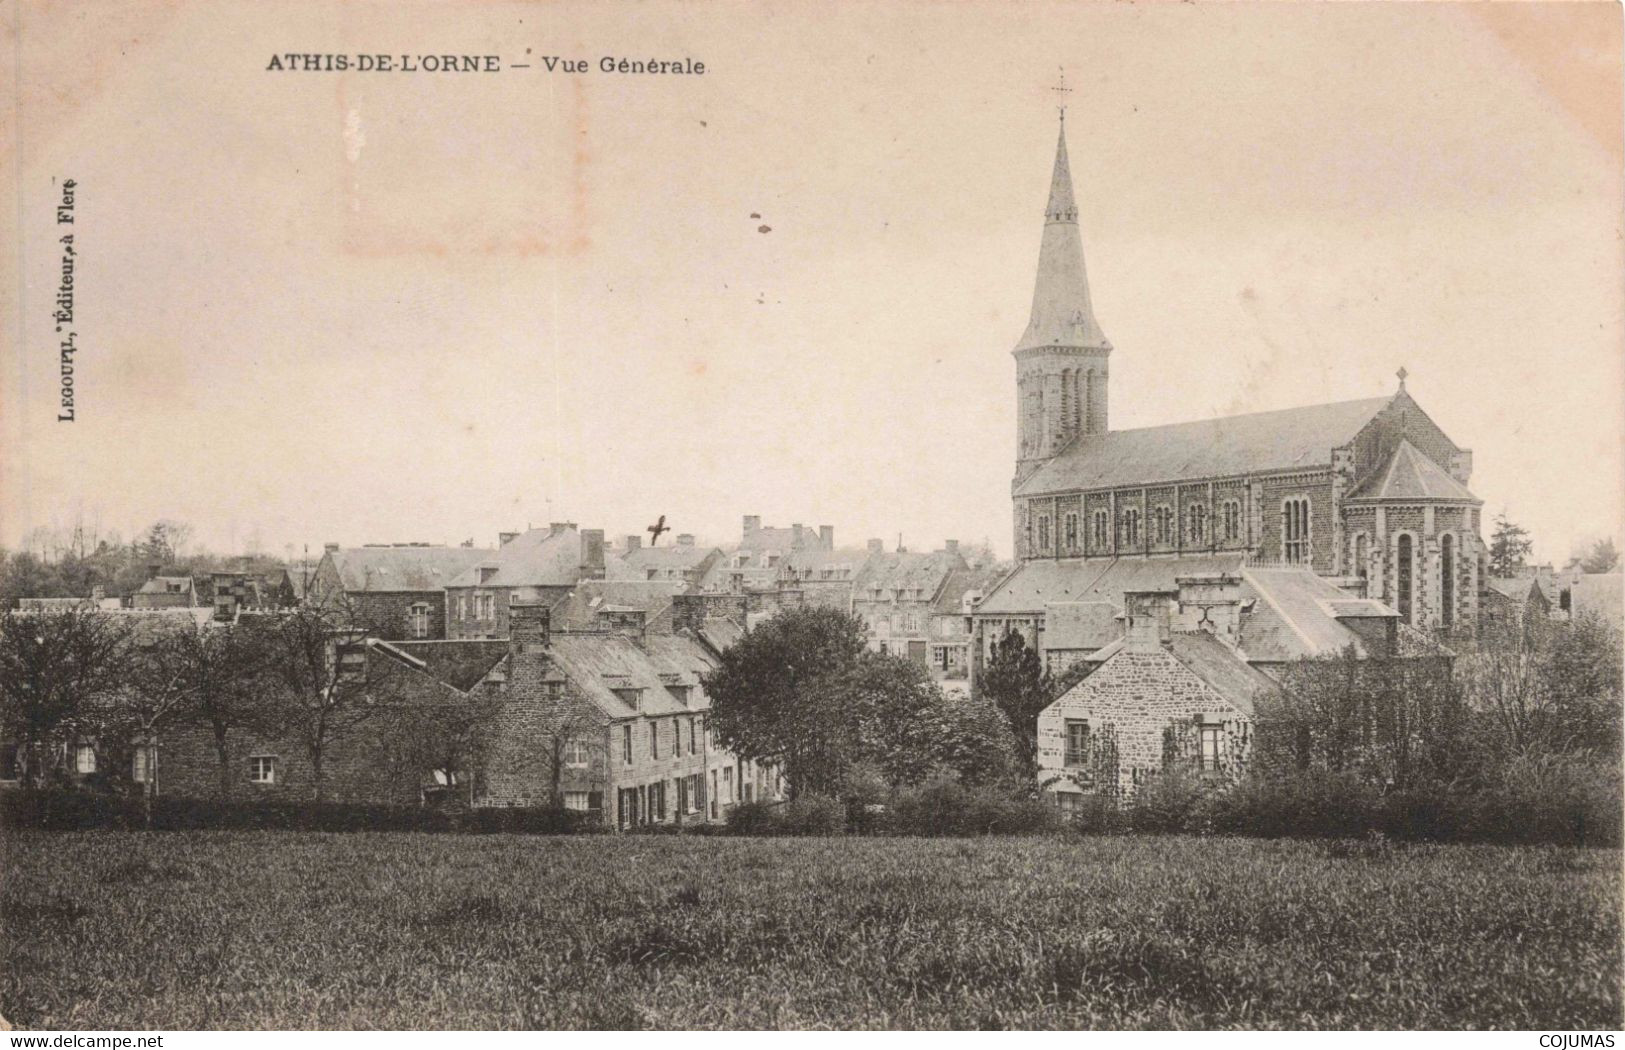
(676, 557)
(580, 608)
(161, 584)
(719, 632)
(1297, 614)
(386, 569)
(1517, 588)
(460, 664)
(1037, 584)
(960, 582)
(600, 663)
(906, 572)
(1221, 667)
(549, 557)
(1288, 439)
(1081, 625)
(1599, 593)
(1409, 475)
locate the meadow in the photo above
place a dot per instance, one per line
(188, 930)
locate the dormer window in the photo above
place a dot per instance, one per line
(420, 620)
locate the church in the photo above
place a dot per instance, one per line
(1360, 508)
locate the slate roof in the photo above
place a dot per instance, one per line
(385, 569)
(1517, 588)
(600, 663)
(1409, 475)
(161, 585)
(460, 664)
(1037, 584)
(905, 573)
(1221, 667)
(1288, 439)
(1081, 625)
(961, 582)
(535, 558)
(668, 557)
(580, 608)
(1062, 313)
(719, 632)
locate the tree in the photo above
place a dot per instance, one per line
(225, 668)
(53, 668)
(1014, 682)
(574, 733)
(1602, 556)
(1509, 546)
(442, 740)
(325, 681)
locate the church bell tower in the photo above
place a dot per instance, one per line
(1061, 361)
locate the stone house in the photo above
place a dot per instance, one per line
(683, 562)
(896, 595)
(1160, 696)
(950, 625)
(538, 565)
(394, 591)
(166, 592)
(1507, 600)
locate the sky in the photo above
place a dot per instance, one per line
(391, 307)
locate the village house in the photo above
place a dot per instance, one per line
(1507, 600)
(896, 594)
(166, 592)
(683, 562)
(395, 591)
(538, 565)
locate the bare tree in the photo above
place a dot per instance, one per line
(574, 738)
(442, 737)
(53, 667)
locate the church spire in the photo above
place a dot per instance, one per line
(1062, 313)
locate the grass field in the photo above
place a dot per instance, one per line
(288, 930)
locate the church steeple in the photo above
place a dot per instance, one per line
(1062, 313)
(1061, 360)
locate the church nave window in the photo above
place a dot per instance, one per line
(1295, 531)
(1162, 524)
(1130, 529)
(1043, 532)
(1198, 523)
(1403, 567)
(1232, 520)
(1071, 532)
(1098, 529)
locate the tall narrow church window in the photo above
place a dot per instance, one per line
(1232, 520)
(1129, 533)
(1078, 394)
(1043, 532)
(1098, 540)
(1088, 422)
(1361, 555)
(1162, 523)
(1197, 529)
(1402, 575)
(1066, 399)
(1295, 531)
(1447, 583)
(1071, 532)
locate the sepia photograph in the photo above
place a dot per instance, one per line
(702, 516)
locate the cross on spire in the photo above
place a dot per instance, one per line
(1061, 89)
(1402, 374)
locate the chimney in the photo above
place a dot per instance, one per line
(950, 546)
(1211, 603)
(685, 539)
(629, 622)
(505, 538)
(634, 543)
(796, 532)
(556, 527)
(153, 569)
(592, 554)
(826, 537)
(330, 547)
(752, 523)
(528, 628)
(1147, 613)
(876, 546)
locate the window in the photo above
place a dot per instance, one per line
(576, 800)
(1295, 531)
(1162, 523)
(696, 787)
(1071, 532)
(141, 765)
(1447, 580)
(1402, 574)
(1077, 742)
(420, 620)
(1361, 555)
(1232, 520)
(654, 739)
(262, 769)
(728, 782)
(1043, 532)
(633, 698)
(575, 754)
(1098, 540)
(84, 759)
(693, 745)
(714, 795)
(626, 743)
(1196, 530)
(1209, 738)
(1129, 531)
(462, 606)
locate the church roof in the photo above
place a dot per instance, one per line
(1287, 439)
(1038, 584)
(1409, 475)
(1062, 313)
